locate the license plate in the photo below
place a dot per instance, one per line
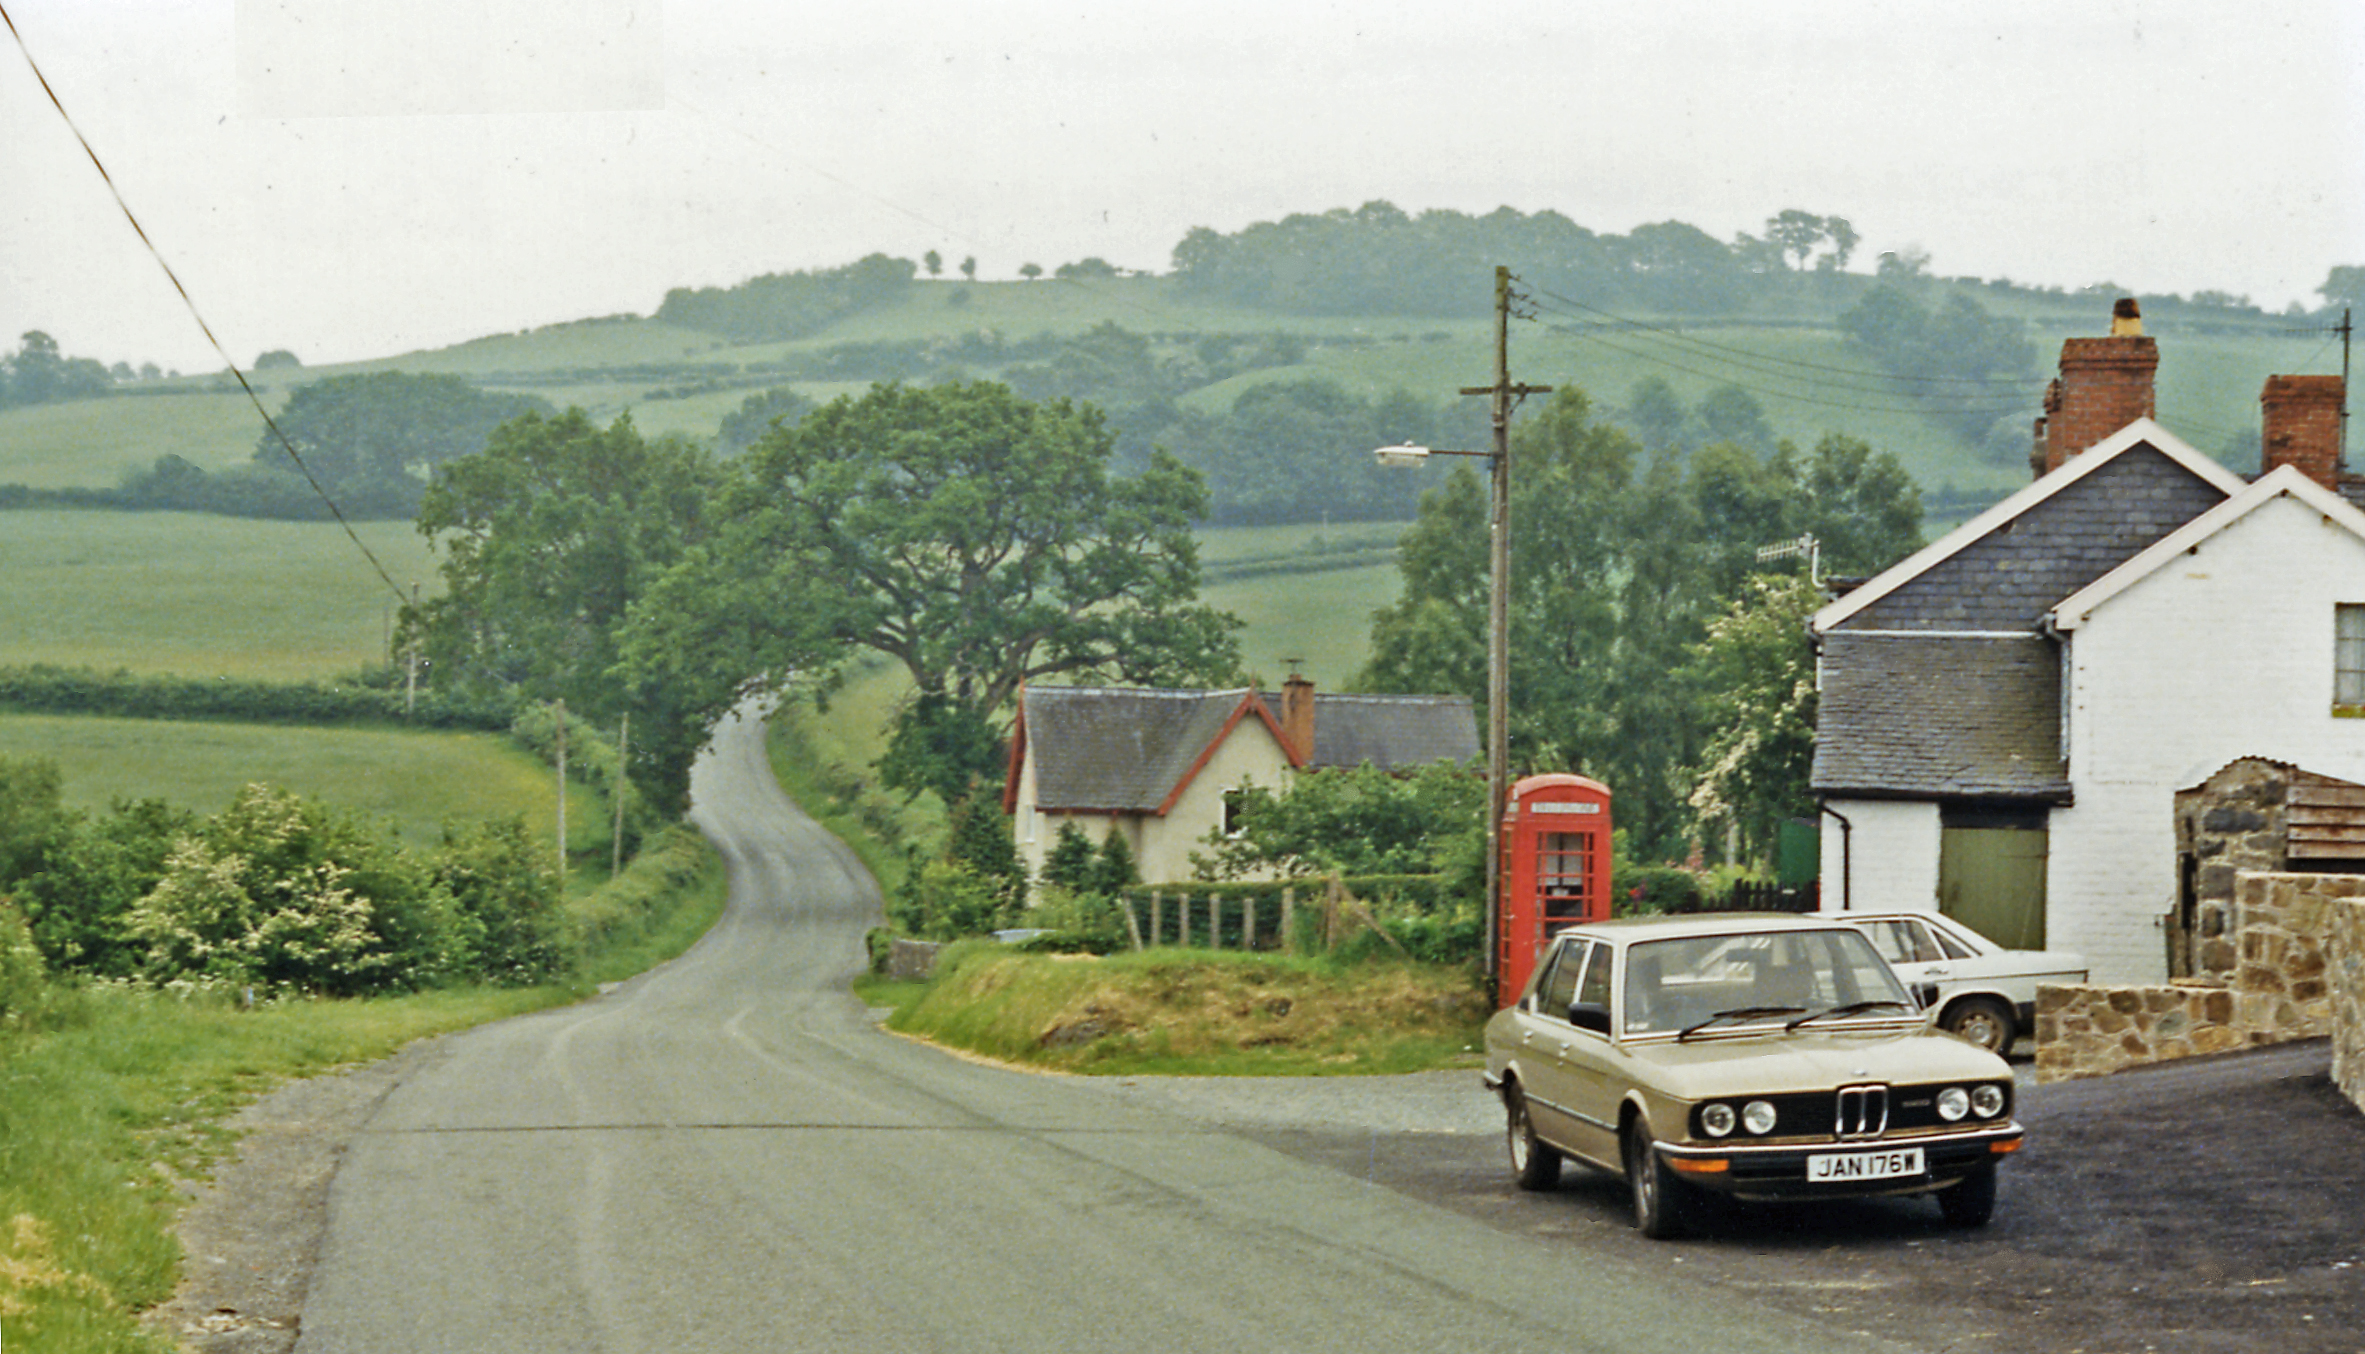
(1842, 1166)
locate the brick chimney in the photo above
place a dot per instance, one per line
(2105, 384)
(2300, 426)
(1297, 716)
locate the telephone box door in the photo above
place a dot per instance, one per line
(1555, 869)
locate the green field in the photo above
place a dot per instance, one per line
(1793, 360)
(416, 781)
(199, 596)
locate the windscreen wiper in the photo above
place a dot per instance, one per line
(1739, 1013)
(1852, 1008)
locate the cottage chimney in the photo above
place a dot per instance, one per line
(2105, 384)
(2300, 426)
(1297, 716)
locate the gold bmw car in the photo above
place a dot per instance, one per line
(1761, 1056)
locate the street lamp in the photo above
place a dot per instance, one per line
(1498, 699)
(1504, 394)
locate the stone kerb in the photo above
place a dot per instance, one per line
(2345, 956)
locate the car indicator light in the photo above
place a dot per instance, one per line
(1700, 1165)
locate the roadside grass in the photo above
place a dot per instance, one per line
(198, 595)
(415, 780)
(104, 1117)
(1174, 1012)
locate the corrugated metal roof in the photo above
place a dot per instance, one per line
(1938, 716)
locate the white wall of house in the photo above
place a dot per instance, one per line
(1251, 753)
(2224, 652)
(1888, 860)
(1161, 844)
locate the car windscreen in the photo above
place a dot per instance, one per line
(1762, 977)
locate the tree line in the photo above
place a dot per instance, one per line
(1629, 571)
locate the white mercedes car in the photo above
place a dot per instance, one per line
(1980, 990)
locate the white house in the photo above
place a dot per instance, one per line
(1160, 767)
(2007, 715)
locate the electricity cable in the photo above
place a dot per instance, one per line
(191, 304)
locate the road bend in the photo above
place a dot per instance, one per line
(725, 1154)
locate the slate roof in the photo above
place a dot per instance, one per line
(1126, 750)
(1120, 749)
(1940, 716)
(1392, 731)
(2010, 577)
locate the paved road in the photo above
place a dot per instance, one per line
(725, 1155)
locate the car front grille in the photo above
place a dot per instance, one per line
(1862, 1111)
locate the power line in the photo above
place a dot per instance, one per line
(190, 302)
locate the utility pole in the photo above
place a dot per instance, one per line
(616, 837)
(562, 793)
(2344, 331)
(410, 663)
(1498, 619)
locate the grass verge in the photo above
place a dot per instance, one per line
(1193, 1012)
(130, 1091)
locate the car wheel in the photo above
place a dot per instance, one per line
(1661, 1201)
(1972, 1202)
(1533, 1164)
(1982, 1020)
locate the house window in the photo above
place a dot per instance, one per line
(1232, 801)
(2348, 657)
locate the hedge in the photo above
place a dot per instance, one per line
(47, 689)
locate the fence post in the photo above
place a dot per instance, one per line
(1248, 922)
(1157, 917)
(1132, 923)
(1289, 919)
(1215, 921)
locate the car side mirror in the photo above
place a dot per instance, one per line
(1589, 1015)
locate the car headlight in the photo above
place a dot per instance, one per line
(1758, 1117)
(1953, 1103)
(1987, 1101)
(1716, 1120)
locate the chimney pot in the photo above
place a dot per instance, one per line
(2300, 426)
(1297, 717)
(2105, 384)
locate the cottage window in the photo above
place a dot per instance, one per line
(2348, 657)
(1233, 799)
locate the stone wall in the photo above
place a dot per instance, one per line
(2231, 822)
(2291, 971)
(2345, 955)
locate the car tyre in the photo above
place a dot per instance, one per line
(1534, 1165)
(1984, 1021)
(1662, 1201)
(1971, 1202)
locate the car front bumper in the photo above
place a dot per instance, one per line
(1779, 1170)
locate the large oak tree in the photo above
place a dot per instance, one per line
(976, 539)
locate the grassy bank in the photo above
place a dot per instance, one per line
(1194, 1012)
(128, 1093)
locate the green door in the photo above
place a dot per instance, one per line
(1992, 879)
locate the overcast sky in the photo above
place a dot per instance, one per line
(356, 178)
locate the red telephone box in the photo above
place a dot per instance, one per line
(1556, 869)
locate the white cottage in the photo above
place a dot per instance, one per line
(1161, 767)
(2006, 717)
